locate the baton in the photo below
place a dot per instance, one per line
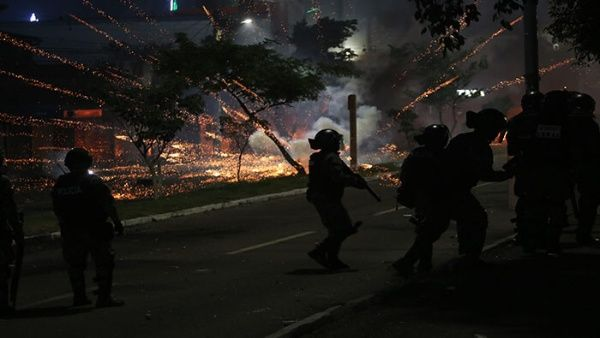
(373, 193)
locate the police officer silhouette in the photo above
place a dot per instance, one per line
(328, 176)
(83, 203)
(467, 160)
(584, 144)
(420, 176)
(545, 182)
(10, 225)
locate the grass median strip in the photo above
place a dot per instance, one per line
(41, 220)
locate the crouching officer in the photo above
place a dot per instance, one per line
(467, 160)
(10, 230)
(82, 204)
(328, 176)
(420, 189)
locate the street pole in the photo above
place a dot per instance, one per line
(532, 76)
(353, 141)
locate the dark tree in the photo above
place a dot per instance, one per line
(239, 132)
(255, 76)
(573, 22)
(323, 43)
(151, 118)
(442, 18)
(576, 24)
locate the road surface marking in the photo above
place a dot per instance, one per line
(55, 298)
(277, 241)
(389, 211)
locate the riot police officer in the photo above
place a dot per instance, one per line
(467, 160)
(545, 178)
(584, 143)
(82, 204)
(419, 189)
(10, 225)
(520, 133)
(328, 176)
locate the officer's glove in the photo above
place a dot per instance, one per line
(119, 229)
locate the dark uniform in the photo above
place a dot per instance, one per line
(520, 133)
(545, 179)
(584, 144)
(420, 176)
(328, 176)
(82, 204)
(9, 226)
(467, 160)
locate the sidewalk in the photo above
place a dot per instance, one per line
(517, 296)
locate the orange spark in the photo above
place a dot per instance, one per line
(109, 38)
(427, 93)
(48, 86)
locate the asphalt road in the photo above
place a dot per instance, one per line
(238, 272)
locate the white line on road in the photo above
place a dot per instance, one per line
(389, 211)
(55, 298)
(277, 241)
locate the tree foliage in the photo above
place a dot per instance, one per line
(151, 117)
(323, 43)
(573, 22)
(239, 132)
(255, 76)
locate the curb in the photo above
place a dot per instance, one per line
(129, 223)
(312, 322)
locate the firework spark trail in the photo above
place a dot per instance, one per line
(479, 47)
(140, 13)
(62, 123)
(48, 86)
(51, 56)
(211, 18)
(518, 80)
(432, 49)
(427, 93)
(246, 89)
(116, 23)
(110, 38)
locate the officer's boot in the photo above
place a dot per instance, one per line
(5, 309)
(426, 259)
(319, 253)
(332, 255)
(77, 279)
(104, 280)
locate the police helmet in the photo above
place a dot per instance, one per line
(326, 139)
(78, 158)
(435, 135)
(488, 119)
(532, 100)
(583, 104)
(556, 106)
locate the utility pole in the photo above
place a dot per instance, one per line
(353, 141)
(532, 76)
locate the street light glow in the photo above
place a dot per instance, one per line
(247, 21)
(33, 18)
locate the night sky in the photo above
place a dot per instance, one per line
(20, 10)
